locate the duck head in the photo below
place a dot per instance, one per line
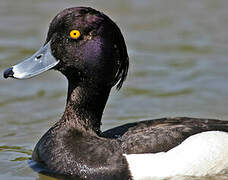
(82, 43)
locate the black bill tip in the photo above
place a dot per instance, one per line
(8, 73)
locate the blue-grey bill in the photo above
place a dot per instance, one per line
(41, 61)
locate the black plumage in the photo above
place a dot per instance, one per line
(75, 147)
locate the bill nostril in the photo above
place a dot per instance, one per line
(39, 56)
(8, 73)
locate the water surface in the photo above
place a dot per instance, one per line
(178, 67)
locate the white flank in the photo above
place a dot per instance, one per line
(199, 155)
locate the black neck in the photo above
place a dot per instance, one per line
(85, 106)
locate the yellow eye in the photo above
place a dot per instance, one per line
(75, 34)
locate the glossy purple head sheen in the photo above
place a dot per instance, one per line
(99, 56)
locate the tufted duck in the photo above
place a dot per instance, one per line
(88, 48)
